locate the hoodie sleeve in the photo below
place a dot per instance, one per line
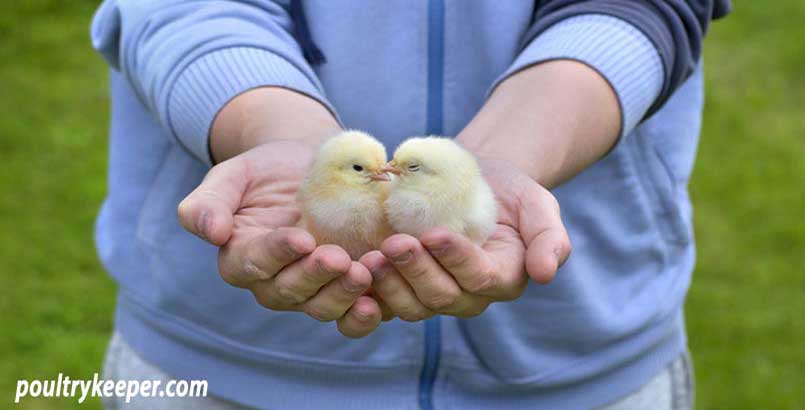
(645, 49)
(186, 59)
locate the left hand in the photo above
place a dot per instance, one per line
(445, 273)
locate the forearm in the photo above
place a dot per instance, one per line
(550, 120)
(265, 114)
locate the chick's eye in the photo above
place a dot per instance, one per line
(413, 167)
(357, 168)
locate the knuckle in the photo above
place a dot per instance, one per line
(511, 285)
(265, 301)
(320, 313)
(351, 331)
(472, 311)
(314, 274)
(229, 269)
(353, 286)
(481, 283)
(290, 293)
(252, 271)
(318, 274)
(413, 314)
(457, 259)
(513, 293)
(443, 300)
(231, 277)
(416, 271)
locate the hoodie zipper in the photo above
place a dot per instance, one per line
(434, 126)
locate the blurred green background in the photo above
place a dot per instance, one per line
(745, 309)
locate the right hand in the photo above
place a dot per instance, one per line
(247, 206)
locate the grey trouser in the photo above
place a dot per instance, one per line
(671, 389)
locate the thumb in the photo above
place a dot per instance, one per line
(208, 211)
(547, 242)
(546, 253)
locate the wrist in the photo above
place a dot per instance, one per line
(269, 114)
(550, 120)
(527, 159)
(498, 144)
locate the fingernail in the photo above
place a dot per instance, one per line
(438, 250)
(292, 253)
(201, 224)
(320, 266)
(402, 258)
(557, 253)
(378, 274)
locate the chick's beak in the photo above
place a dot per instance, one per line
(391, 168)
(380, 175)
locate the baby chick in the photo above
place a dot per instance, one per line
(341, 199)
(439, 183)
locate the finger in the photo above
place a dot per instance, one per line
(264, 256)
(384, 307)
(388, 314)
(336, 297)
(471, 266)
(361, 319)
(433, 286)
(395, 292)
(270, 296)
(302, 279)
(547, 241)
(546, 253)
(208, 211)
(267, 296)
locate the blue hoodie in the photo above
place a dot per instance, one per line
(610, 320)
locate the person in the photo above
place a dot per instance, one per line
(217, 107)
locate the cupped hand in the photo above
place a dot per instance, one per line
(444, 273)
(247, 206)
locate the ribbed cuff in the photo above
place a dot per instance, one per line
(622, 54)
(207, 84)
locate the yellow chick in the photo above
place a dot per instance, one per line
(342, 194)
(439, 183)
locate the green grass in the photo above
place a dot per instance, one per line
(57, 302)
(748, 295)
(746, 304)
